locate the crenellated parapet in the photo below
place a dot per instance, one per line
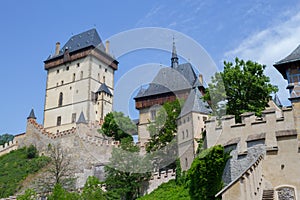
(266, 129)
(159, 178)
(8, 147)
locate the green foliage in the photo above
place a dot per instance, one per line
(59, 193)
(170, 191)
(118, 126)
(126, 172)
(15, 167)
(32, 152)
(5, 138)
(164, 128)
(29, 194)
(243, 85)
(205, 174)
(92, 190)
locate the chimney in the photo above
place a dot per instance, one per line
(201, 79)
(57, 47)
(107, 47)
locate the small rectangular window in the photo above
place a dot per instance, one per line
(58, 121)
(57, 71)
(67, 68)
(78, 64)
(73, 117)
(183, 135)
(105, 69)
(187, 133)
(81, 75)
(204, 119)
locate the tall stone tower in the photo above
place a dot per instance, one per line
(80, 78)
(289, 67)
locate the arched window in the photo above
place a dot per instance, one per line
(60, 99)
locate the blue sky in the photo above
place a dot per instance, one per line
(261, 30)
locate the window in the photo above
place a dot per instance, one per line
(81, 75)
(67, 68)
(57, 71)
(58, 121)
(186, 162)
(73, 117)
(105, 69)
(183, 135)
(60, 99)
(100, 66)
(74, 77)
(78, 64)
(103, 79)
(98, 77)
(188, 119)
(187, 133)
(62, 82)
(204, 119)
(152, 114)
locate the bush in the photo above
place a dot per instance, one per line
(31, 152)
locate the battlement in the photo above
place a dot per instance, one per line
(49, 134)
(266, 129)
(159, 178)
(8, 147)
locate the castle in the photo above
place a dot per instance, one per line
(79, 93)
(265, 150)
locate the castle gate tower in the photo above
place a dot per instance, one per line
(80, 78)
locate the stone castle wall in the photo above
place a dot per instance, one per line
(8, 147)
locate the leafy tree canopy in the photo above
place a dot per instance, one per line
(126, 172)
(5, 138)
(164, 128)
(205, 175)
(243, 85)
(118, 126)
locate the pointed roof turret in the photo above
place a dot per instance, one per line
(195, 103)
(31, 115)
(104, 88)
(174, 59)
(81, 119)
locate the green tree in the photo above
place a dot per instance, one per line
(118, 126)
(92, 190)
(5, 138)
(205, 174)
(32, 152)
(126, 172)
(243, 86)
(163, 129)
(29, 194)
(59, 193)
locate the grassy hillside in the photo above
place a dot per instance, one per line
(16, 166)
(170, 191)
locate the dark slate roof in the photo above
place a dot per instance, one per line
(81, 119)
(81, 41)
(104, 88)
(31, 115)
(195, 103)
(170, 80)
(294, 56)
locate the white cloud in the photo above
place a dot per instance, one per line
(269, 46)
